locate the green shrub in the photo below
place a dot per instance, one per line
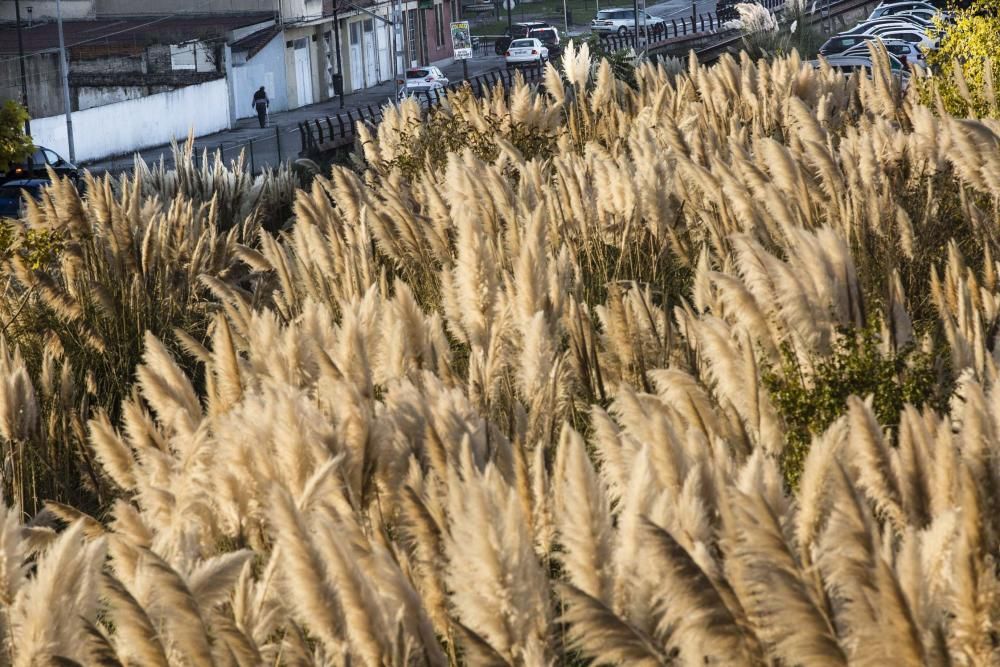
(808, 404)
(965, 64)
(15, 145)
(445, 131)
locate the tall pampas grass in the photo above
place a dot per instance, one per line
(524, 398)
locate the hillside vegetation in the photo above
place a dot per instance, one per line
(698, 370)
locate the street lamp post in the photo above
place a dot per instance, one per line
(24, 74)
(635, 9)
(336, 45)
(64, 69)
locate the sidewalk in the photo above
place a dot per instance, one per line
(281, 141)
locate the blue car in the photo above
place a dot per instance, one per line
(12, 195)
(35, 167)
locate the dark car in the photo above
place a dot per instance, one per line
(12, 195)
(517, 31)
(840, 43)
(34, 166)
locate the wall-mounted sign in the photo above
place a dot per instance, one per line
(461, 40)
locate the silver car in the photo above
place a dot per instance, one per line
(848, 64)
(905, 51)
(421, 79)
(526, 52)
(621, 22)
(890, 8)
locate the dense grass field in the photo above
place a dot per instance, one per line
(693, 368)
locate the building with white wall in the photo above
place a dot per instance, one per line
(258, 60)
(112, 60)
(355, 40)
(152, 120)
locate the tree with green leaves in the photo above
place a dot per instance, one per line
(15, 145)
(964, 66)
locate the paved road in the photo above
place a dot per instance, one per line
(281, 141)
(270, 146)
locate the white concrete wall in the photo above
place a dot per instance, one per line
(89, 97)
(266, 68)
(46, 9)
(119, 129)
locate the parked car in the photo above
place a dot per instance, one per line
(927, 15)
(904, 33)
(621, 22)
(838, 44)
(528, 51)
(858, 44)
(862, 63)
(903, 20)
(906, 52)
(12, 195)
(889, 8)
(517, 31)
(34, 167)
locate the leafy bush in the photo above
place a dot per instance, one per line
(15, 145)
(809, 402)
(965, 63)
(446, 131)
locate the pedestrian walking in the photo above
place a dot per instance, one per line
(260, 105)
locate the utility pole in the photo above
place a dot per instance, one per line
(645, 27)
(510, 23)
(340, 65)
(64, 70)
(635, 10)
(395, 51)
(24, 74)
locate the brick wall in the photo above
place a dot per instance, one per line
(158, 58)
(114, 64)
(436, 18)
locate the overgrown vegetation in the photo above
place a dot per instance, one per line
(524, 402)
(810, 400)
(88, 278)
(446, 130)
(15, 145)
(967, 61)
